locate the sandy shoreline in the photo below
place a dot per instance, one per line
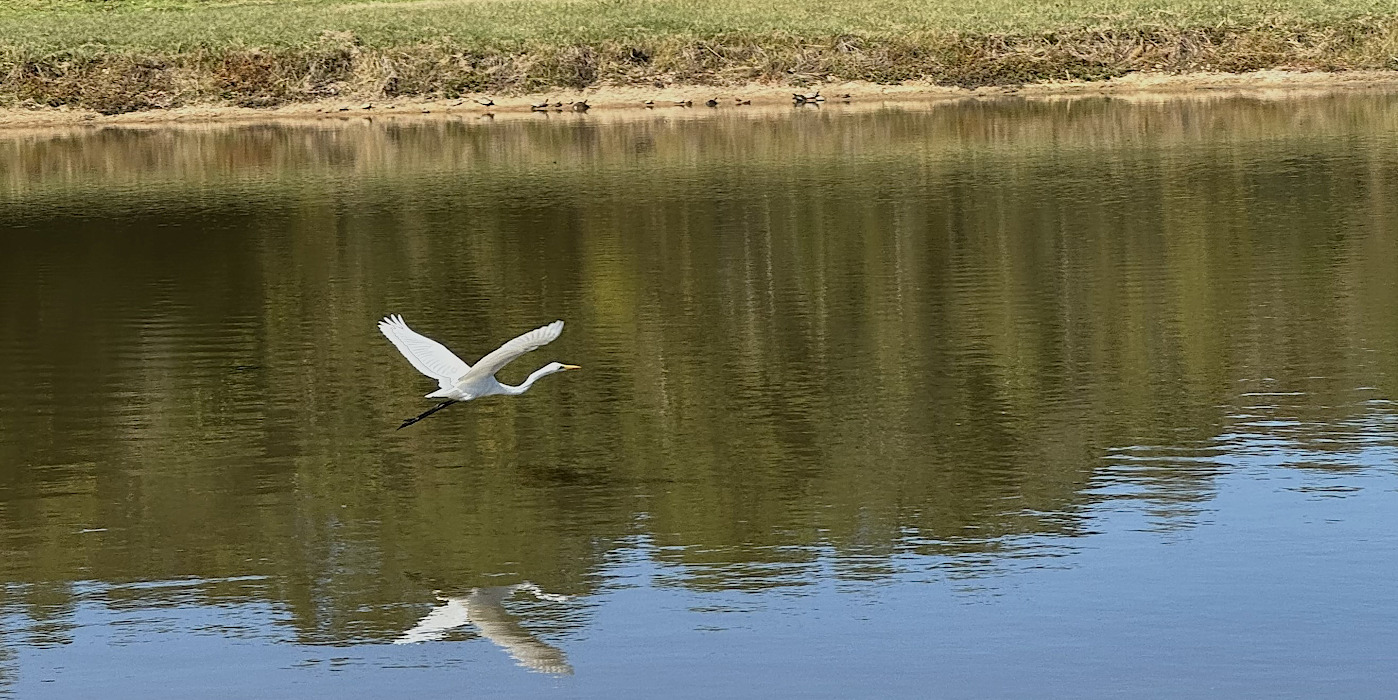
(630, 101)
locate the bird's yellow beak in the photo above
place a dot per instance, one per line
(571, 367)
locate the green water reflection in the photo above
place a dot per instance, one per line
(815, 345)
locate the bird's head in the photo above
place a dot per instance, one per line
(552, 367)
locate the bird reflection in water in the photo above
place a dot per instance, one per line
(485, 608)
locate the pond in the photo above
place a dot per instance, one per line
(1079, 397)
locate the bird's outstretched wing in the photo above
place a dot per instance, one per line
(486, 608)
(437, 623)
(427, 355)
(539, 337)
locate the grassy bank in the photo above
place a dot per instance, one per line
(123, 55)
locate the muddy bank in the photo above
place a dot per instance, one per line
(633, 102)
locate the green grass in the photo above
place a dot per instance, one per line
(290, 48)
(178, 25)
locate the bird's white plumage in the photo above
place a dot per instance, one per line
(495, 361)
(460, 381)
(441, 620)
(427, 355)
(485, 609)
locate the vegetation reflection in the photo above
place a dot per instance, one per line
(847, 343)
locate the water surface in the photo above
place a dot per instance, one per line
(1087, 397)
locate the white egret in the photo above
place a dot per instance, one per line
(460, 381)
(485, 608)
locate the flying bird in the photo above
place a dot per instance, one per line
(460, 381)
(485, 608)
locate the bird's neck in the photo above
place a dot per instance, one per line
(524, 386)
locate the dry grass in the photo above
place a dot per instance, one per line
(122, 55)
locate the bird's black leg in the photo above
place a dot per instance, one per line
(427, 413)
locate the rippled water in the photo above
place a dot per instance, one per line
(1087, 397)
